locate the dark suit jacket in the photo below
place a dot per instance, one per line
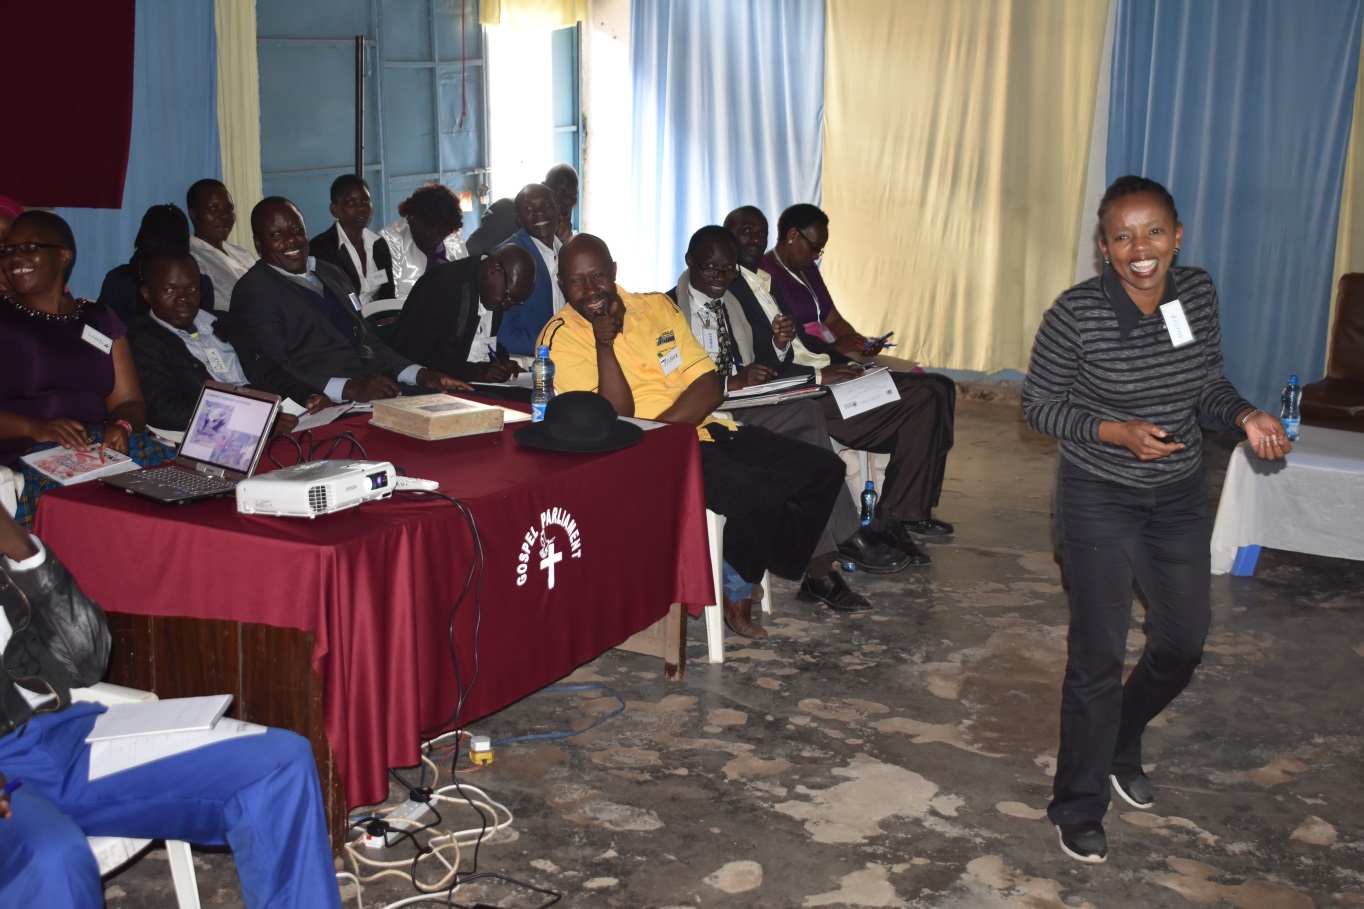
(762, 329)
(763, 351)
(326, 247)
(288, 329)
(172, 376)
(521, 325)
(497, 224)
(437, 323)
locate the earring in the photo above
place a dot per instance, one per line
(1106, 262)
(1176, 250)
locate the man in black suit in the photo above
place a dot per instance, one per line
(351, 246)
(451, 318)
(299, 313)
(916, 430)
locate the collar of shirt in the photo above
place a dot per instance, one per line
(760, 279)
(367, 238)
(203, 321)
(309, 277)
(701, 301)
(545, 250)
(1127, 312)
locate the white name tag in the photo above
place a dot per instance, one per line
(376, 279)
(710, 340)
(670, 360)
(355, 301)
(1176, 324)
(216, 364)
(96, 338)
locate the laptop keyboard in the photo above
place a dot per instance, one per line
(173, 479)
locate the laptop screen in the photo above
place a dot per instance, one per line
(227, 428)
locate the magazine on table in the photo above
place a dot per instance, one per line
(68, 466)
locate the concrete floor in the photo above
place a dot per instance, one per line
(903, 758)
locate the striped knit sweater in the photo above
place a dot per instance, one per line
(1098, 357)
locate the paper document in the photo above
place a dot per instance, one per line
(645, 425)
(523, 379)
(513, 416)
(327, 415)
(68, 466)
(768, 387)
(113, 755)
(151, 717)
(867, 392)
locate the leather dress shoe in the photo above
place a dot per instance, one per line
(895, 534)
(870, 554)
(930, 528)
(739, 618)
(834, 592)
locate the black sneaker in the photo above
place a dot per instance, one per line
(1136, 790)
(1084, 841)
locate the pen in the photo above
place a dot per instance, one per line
(881, 340)
(10, 787)
(492, 354)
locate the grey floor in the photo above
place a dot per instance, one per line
(902, 758)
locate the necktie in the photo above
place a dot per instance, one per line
(727, 355)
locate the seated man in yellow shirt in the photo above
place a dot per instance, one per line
(639, 353)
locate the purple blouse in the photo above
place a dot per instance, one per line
(807, 303)
(51, 371)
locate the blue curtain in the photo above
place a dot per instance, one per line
(728, 111)
(175, 133)
(1242, 108)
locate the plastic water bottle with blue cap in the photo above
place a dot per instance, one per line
(1291, 415)
(542, 372)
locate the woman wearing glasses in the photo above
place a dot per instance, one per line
(69, 377)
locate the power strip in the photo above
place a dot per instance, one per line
(407, 817)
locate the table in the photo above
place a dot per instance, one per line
(368, 597)
(1312, 501)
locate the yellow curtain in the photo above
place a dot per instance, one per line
(956, 139)
(1350, 232)
(239, 109)
(532, 13)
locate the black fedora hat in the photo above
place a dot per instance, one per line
(579, 421)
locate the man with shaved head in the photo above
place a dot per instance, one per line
(537, 211)
(563, 180)
(452, 318)
(639, 353)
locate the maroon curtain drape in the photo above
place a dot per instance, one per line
(70, 92)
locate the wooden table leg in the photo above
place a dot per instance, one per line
(667, 639)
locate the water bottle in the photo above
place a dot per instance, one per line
(1292, 408)
(542, 372)
(868, 504)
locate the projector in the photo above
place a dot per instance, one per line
(315, 487)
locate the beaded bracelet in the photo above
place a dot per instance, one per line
(127, 427)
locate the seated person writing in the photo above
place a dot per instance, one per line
(68, 376)
(719, 324)
(164, 229)
(258, 794)
(178, 346)
(451, 318)
(351, 246)
(638, 352)
(300, 318)
(916, 431)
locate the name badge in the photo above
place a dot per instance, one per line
(216, 364)
(355, 301)
(98, 339)
(819, 330)
(710, 340)
(376, 279)
(670, 361)
(1175, 323)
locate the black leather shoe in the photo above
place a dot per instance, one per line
(834, 592)
(871, 554)
(894, 534)
(930, 528)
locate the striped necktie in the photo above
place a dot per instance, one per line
(726, 356)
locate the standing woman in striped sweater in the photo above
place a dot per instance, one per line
(1121, 366)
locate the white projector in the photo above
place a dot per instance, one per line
(316, 487)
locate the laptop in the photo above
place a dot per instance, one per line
(223, 443)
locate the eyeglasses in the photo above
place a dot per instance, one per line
(26, 248)
(816, 251)
(727, 272)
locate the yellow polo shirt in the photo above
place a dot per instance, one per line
(656, 350)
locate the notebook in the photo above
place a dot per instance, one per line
(223, 442)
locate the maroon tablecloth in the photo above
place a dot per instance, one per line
(377, 585)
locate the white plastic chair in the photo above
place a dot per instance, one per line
(113, 852)
(715, 615)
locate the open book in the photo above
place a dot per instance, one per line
(68, 466)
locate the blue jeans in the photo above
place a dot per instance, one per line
(1109, 535)
(259, 795)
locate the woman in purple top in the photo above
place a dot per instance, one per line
(69, 376)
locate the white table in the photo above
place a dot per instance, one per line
(1312, 501)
